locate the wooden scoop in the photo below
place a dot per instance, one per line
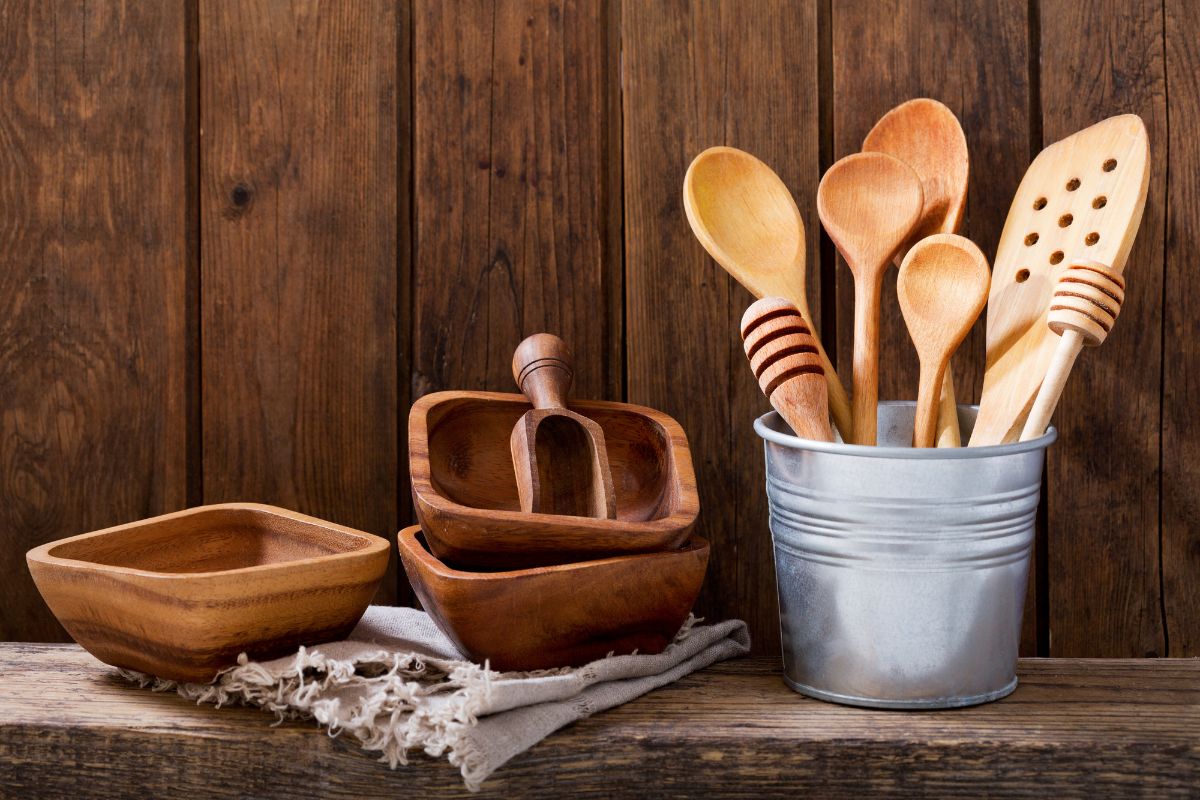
(926, 135)
(748, 222)
(869, 204)
(942, 286)
(1085, 306)
(1081, 199)
(559, 456)
(787, 364)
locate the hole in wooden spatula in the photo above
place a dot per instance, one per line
(1072, 184)
(1100, 202)
(1065, 220)
(1039, 204)
(1022, 276)
(1091, 238)
(1110, 165)
(1031, 240)
(1056, 257)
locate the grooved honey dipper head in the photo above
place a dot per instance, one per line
(1087, 299)
(787, 365)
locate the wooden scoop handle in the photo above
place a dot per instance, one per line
(542, 369)
(1086, 302)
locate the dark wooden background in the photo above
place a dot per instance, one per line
(239, 237)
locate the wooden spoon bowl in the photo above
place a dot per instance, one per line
(558, 616)
(942, 286)
(180, 596)
(745, 217)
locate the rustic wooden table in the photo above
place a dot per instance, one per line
(70, 727)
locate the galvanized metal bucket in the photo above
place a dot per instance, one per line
(901, 571)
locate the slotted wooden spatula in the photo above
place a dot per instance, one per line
(1081, 199)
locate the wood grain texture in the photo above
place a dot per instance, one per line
(1071, 729)
(299, 120)
(974, 57)
(93, 258)
(172, 596)
(1103, 512)
(468, 502)
(697, 75)
(560, 615)
(1181, 355)
(513, 178)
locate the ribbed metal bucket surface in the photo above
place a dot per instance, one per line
(901, 571)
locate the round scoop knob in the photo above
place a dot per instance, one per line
(541, 367)
(1087, 299)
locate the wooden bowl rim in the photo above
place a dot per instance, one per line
(407, 543)
(372, 545)
(422, 483)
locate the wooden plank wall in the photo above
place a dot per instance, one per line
(239, 237)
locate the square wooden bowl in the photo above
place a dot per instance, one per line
(181, 595)
(465, 489)
(558, 616)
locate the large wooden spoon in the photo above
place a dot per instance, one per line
(942, 285)
(748, 222)
(869, 203)
(926, 135)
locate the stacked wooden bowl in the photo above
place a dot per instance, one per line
(551, 533)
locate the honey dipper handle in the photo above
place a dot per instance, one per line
(542, 369)
(1052, 385)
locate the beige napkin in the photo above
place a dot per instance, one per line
(398, 684)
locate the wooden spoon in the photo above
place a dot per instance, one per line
(748, 222)
(783, 355)
(559, 456)
(942, 286)
(926, 135)
(1084, 308)
(869, 203)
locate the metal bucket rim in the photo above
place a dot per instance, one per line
(767, 432)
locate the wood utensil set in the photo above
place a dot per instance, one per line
(1056, 286)
(553, 532)
(549, 537)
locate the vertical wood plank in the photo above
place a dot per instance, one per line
(93, 259)
(299, 248)
(974, 57)
(696, 75)
(1101, 58)
(1181, 355)
(514, 175)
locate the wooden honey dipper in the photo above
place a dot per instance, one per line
(1087, 299)
(787, 364)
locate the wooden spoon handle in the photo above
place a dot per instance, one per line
(839, 403)
(542, 369)
(866, 359)
(925, 426)
(948, 433)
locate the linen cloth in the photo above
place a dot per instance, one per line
(398, 684)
